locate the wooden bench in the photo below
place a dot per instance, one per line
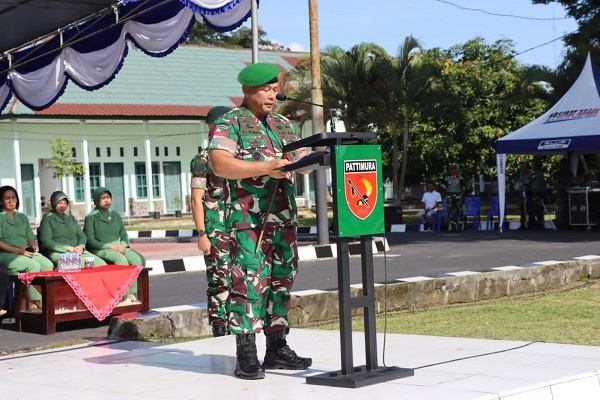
(56, 292)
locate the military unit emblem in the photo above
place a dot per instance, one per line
(360, 186)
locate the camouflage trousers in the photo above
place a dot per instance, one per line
(455, 208)
(262, 279)
(218, 277)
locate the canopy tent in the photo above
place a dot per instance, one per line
(571, 125)
(90, 51)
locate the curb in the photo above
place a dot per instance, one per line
(305, 253)
(139, 236)
(302, 293)
(314, 306)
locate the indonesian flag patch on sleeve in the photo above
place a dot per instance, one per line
(220, 131)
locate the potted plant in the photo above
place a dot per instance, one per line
(178, 201)
(156, 213)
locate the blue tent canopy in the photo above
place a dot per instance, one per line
(572, 125)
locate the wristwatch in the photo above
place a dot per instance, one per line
(201, 232)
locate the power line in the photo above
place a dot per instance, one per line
(544, 44)
(497, 14)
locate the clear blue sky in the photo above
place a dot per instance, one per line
(437, 23)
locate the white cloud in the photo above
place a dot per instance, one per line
(295, 46)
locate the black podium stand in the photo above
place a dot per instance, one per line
(348, 376)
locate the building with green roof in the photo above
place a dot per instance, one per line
(135, 135)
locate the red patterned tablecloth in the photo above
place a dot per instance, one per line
(100, 288)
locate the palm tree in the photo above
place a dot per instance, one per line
(401, 81)
(346, 82)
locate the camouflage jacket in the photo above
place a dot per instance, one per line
(244, 136)
(204, 178)
(455, 184)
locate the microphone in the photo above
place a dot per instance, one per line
(283, 97)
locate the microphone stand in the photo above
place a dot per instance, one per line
(320, 180)
(283, 97)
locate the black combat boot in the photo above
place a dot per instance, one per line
(247, 365)
(280, 356)
(219, 330)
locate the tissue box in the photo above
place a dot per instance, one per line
(68, 262)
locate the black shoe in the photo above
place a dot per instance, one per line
(247, 365)
(219, 330)
(285, 358)
(280, 356)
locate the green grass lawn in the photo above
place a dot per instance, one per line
(569, 317)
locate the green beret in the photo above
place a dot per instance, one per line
(214, 113)
(258, 74)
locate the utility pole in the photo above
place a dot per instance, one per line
(317, 121)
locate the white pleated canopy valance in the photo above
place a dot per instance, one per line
(92, 53)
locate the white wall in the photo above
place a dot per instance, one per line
(35, 136)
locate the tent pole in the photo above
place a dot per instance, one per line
(501, 166)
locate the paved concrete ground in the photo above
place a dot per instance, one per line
(449, 368)
(441, 368)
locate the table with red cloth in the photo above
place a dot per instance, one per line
(100, 289)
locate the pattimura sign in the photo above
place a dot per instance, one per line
(360, 184)
(360, 190)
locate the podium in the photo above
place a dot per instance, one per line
(357, 189)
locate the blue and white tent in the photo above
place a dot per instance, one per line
(572, 125)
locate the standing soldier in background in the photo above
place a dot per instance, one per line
(455, 189)
(563, 181)
(208, 200)
(246, 148)
(538, 192)
(525, 206)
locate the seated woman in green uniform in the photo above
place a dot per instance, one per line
(18, 249)
(107, 237)
(60, 233)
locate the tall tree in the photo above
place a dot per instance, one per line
(63, 162)
(239, 38)
(400, 82)
(579, 43)
(451, 105)
(346, 82)
(494, 95)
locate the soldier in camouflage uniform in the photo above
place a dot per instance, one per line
(563, 181)
(208, 200)
(538, 193)
(246, 148)
(525, 205)
(455, 188)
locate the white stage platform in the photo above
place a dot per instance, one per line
(444, 368)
